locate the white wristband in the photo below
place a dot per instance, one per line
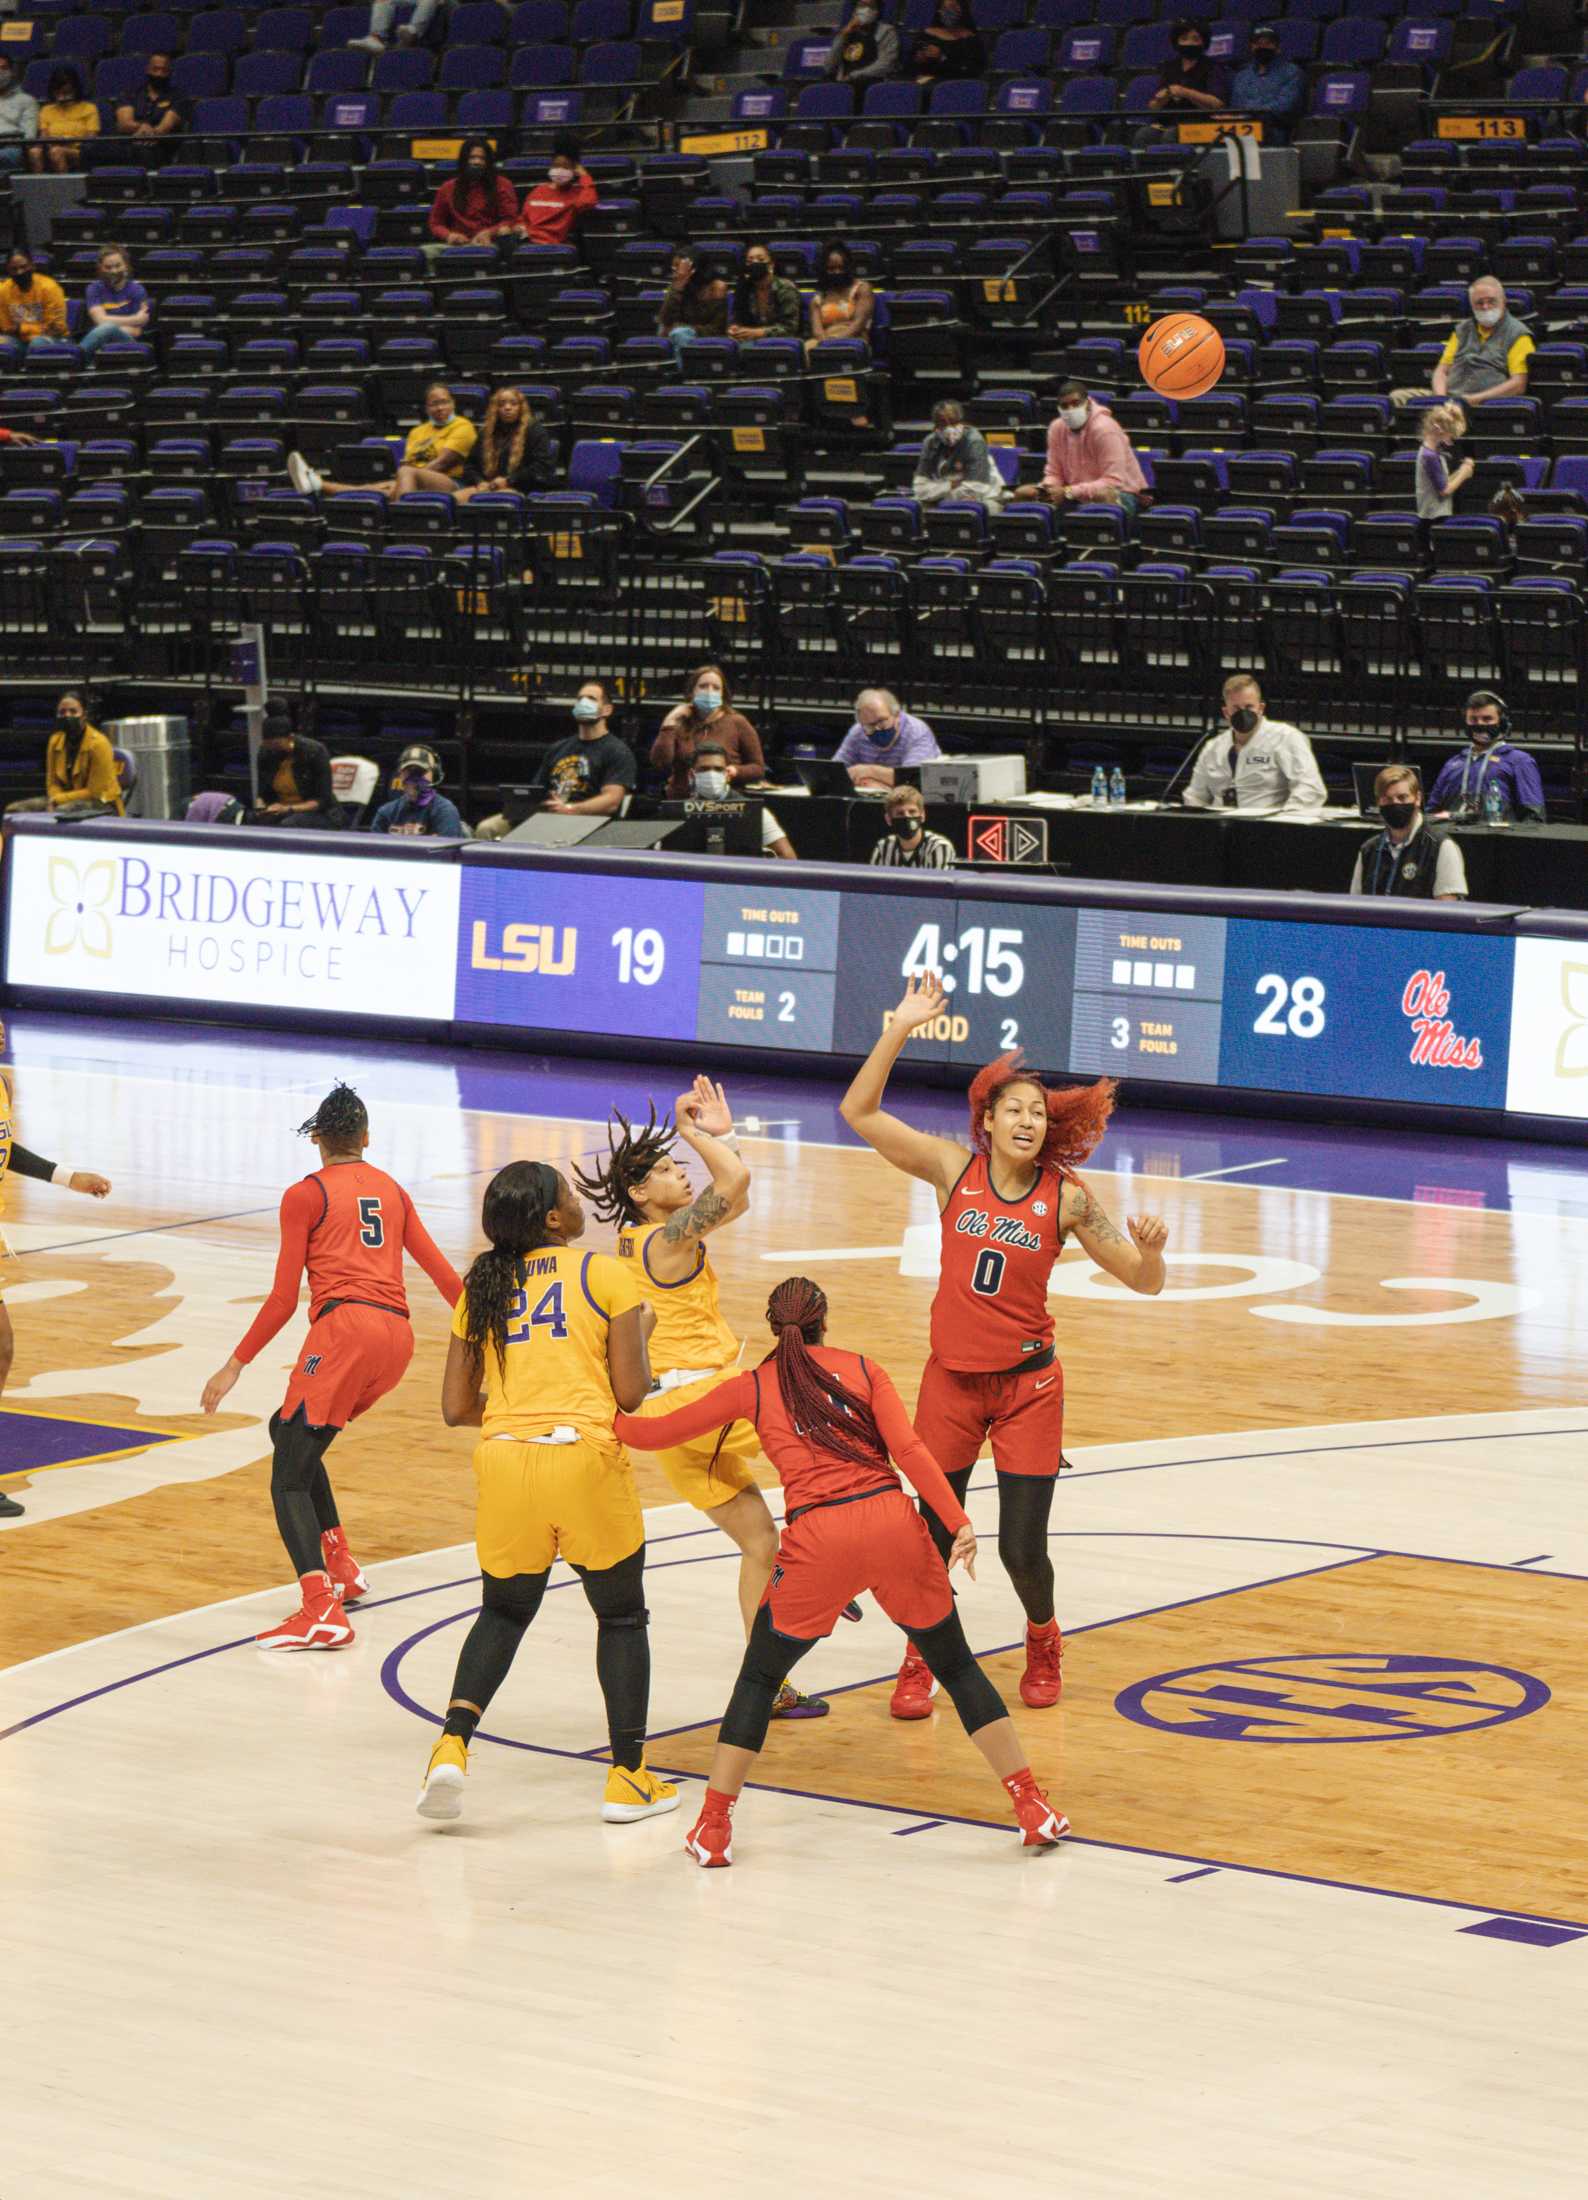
(61, 1174)
(730, 1137)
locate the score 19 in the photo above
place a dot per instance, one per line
(642, 955)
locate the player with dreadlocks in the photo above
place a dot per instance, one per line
(557, 1338)
(829, 1421)
(1006, 1205)
(349, 1224)
(662, 1225)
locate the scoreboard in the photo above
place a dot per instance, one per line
(1350, 1010)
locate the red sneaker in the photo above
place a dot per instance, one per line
(1042, 1682)
(914, 1689)
(710, 1840)
(319, 1624)
(1043, 1826)
(347, 1577)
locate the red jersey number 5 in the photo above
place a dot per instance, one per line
(372, 1228)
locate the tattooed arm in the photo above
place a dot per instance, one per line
(704, 1124)
(1136, 1260)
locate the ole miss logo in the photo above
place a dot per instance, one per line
(1436, 1045)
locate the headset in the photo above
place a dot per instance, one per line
(1482, 697)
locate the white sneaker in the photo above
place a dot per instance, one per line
(302, 475)
(371, 44)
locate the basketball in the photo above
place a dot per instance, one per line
(1181, 356)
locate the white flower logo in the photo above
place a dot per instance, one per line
(1571, 1048)
(81, 897)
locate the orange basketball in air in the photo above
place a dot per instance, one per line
(1181, 356)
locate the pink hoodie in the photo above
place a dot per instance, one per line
(1096, 458)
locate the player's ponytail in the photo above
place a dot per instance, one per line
(1077, 1114)
(341, 1119)
(513, 1216)
(825, 1411)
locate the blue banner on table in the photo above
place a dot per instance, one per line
(1322, 1008)
(546, 950)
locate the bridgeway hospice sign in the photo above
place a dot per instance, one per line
(246, 924)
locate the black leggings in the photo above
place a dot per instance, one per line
(508, 1602)
(300, 1488)
(769, 1657)
(1024, 1503)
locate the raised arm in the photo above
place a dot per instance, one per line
(1137, 1261)
(936, 1161)
(705, 1124)
(420, 1246)
(732, 1400)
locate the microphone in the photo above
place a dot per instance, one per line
(1190, 757)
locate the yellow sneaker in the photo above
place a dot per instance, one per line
(636, 1794)
(442, 1793)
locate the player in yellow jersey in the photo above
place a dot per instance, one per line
(662, 1227)
(15, 1160)
(557, 1338)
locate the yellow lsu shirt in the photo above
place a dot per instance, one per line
(554, 1373)
(425, 441)
(5, 1130)
(690, 1331)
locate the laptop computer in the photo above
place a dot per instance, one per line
(556, 829)
(823, 776)
(1362, 778)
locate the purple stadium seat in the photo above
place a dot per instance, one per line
(477, 23)
(1087, 51)
(539, 68)
(615, 63)
(1425, 44)
(284, 30)
(1340, 95)
(341, 71)
(470, 68)
(401, 69)
(1354, 42)
(1087, 95)
(541, 21)
(257, 75)
(154, 33)
(595, 20)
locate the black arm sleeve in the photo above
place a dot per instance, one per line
(24, 1163)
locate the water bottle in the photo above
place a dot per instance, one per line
(1116, 789)
(1493, 805)
(1099, 788)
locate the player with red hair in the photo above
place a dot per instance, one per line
(828, 1421)
(993, 1372)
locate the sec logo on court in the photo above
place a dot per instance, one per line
(1335, 1697)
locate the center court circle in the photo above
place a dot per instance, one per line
(1340, 1696)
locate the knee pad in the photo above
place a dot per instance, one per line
(623, 1622)
(298, 1450)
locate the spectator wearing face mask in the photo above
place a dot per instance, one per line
(555, 208)
(118, 307)
(79, 765)
(710, 781)
(434, 456)
(294, 780)
(592, 770)
(66, 122)
(32, 306)
(706, 717)
(19, 119)
(1090, 459)
(155, 115)
(1268, 86)
(764, 304)
(1261, 764)
(1409, 858)
(1190, 84)
(419, 810)
(955, 462)
(883, 739)
(1488, 770)
(1486, 357)
(477, 204)
(906, 844)
(866, 50)
(949, 48)
(844, 303)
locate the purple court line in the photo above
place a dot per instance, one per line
(1533, 1561)
(149, 1229)
(1179, 1879)
(926, 1826)
(849, 1802)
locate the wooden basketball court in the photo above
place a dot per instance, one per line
(1323, 1568)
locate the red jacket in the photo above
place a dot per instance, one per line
(448, 217)
(551, 209)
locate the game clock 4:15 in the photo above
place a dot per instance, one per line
(1008, 971)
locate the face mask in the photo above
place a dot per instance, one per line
(1190, 50)
(586, 708)
(866, 15)
(1397, 814)
(905, 825)
(561, 176)
(1488, 316)
(1264, 53)
(952, 435)
(1480, 735)
(837, 275)
(23, 278)
(1245, 719)
(713, 785)
(418, 790)
(1074, 416)
(64, 724)
(707, 700)
(882, 735)
(157, 84)
(759, 270)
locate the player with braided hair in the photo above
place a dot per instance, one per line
(557, 1339)
(829, 1421)
(662, 1224)
(349, 1224)
(1006, 1206)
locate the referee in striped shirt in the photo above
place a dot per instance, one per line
(906, 844)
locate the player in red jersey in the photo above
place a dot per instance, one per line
(828, 1421)
(1007, 1205)
(350, 1225)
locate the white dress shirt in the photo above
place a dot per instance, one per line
(1274, 771)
